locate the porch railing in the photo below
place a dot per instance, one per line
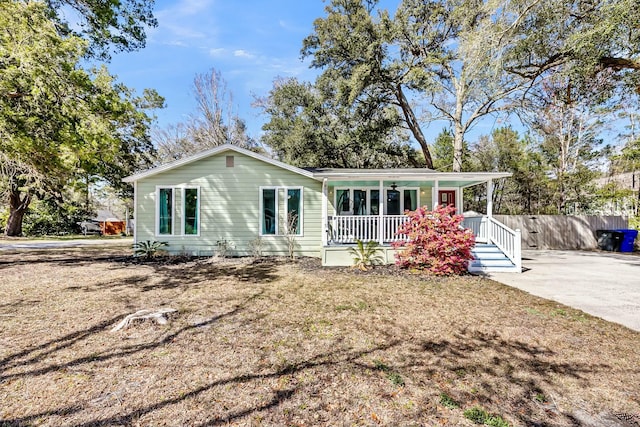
(349, 229)
(489, 230)
(477, 224)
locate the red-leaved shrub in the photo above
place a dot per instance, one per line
(435, 242)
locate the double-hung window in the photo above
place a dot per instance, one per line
(178, 211)
(280, 211)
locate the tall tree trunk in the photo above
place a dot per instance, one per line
(458, 146)
(458, 131)
(17, 208)
(414, 126)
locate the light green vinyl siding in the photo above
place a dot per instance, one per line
(229, 203)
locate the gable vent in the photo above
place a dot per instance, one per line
(229, 161)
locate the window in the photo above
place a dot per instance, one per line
(191, 211)
(187, 211)
(401, 200)
(360, 202)
(393, 202)
(410, 200)
(293, 210)
(273, 221)
(366, 201)
(343, 204)
(165, 211)
(375, 202)
(269, 213)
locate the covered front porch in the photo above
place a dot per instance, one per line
(369, 205)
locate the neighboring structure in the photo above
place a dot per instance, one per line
(624, 196)
(233, 198)
(110, 224)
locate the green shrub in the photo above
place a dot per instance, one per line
(436, 242)
(365, 254)
(148, 248)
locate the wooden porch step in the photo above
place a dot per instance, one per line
(489, 258)
(505, 262)
(483, 248)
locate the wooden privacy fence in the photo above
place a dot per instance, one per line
(561, 232)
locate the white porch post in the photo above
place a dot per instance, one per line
(490, 198)
(381, 214)
(436, 189)
(325, 212)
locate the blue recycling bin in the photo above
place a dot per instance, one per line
(628, 239)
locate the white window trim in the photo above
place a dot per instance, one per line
(401, 190)
(277, 189)
(368, 190)
(260, 211)
(184, 209)
(335, 200)
(457, 197)
(173, 207)
(174, 189)
(301, 216)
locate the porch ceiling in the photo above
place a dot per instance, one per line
(404, 177)
(405, 183)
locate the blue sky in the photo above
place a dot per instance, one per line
(251, 42)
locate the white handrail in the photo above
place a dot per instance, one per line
(489, 230)
(507, 240)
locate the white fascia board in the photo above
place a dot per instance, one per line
(413, 175)
(212, 152)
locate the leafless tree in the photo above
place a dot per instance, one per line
(214, 123)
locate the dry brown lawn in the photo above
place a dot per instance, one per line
(274, 343)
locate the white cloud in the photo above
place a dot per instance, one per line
(240, 53)
(188, 7)
(220, 51)
(178, 43)
(184, 21)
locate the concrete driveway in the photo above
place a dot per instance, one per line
(603, 284)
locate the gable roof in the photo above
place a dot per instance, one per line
(212, 152)
(319, 174)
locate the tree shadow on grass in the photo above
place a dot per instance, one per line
(63, 256)
(481, 365)
(35, 354)
(254, 272)
(173, 276)
(335, 357)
